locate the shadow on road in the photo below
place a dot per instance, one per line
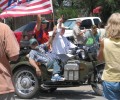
(65, 94)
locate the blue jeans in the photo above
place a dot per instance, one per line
(111, 90)
(54, 64)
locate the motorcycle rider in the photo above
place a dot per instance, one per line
(60, 44)
(40, 53)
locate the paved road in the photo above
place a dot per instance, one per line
(79, 93)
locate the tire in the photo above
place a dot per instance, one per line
(97, 83)
(46, 89)
(26, 82)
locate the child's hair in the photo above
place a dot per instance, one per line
(113, 26)
(94, 29)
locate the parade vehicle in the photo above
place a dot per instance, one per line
(79, 67)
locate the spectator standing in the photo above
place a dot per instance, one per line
(9, 51)
(40, 30)
(110, 52)
(79, 37)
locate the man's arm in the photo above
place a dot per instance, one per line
(34, 64)
(14, 58)
(53, 36)
(12, 48)
(100, 54)
(31, 57)
(79, 32)
(60, 22)
(38, 24)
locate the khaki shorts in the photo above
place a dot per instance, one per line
(7, 96)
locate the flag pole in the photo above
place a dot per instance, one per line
(53, 15)
(4, 20)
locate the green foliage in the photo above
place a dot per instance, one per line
(86, 7)
(68, 12)
(110, 1)
(109, 7)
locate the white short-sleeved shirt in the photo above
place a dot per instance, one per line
(61, 44)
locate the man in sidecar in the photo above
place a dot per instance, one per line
(40, 53)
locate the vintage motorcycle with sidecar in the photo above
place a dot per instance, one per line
(79, 67)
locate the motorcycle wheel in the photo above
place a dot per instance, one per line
(97, 83)
(46, 89)
(25, 82)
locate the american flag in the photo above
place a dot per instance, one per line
(17, 8)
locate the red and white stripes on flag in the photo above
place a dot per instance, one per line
(5, 3)
(17, 8)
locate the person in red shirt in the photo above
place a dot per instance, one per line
(18, 36)
(40, 30)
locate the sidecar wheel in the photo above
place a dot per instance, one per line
(97, 83)
(46, 89)
(26, 82)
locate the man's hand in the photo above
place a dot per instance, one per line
(27, 55)
(82, 32)
(38, 24)
(34, 64)
(38, 72)
(60, 20)
(39, 17)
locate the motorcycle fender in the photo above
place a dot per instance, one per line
(22, 63)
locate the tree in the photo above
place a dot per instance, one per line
(61, 8)
(60, 2)
(108, 7)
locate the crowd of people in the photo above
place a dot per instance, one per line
(44, 49)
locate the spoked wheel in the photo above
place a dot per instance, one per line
(26, 82)
(44, 89)
(97, 83)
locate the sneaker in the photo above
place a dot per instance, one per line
(56, 77)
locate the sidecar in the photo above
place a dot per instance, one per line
(77, 68)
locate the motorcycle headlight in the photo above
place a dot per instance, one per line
(83, 55)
